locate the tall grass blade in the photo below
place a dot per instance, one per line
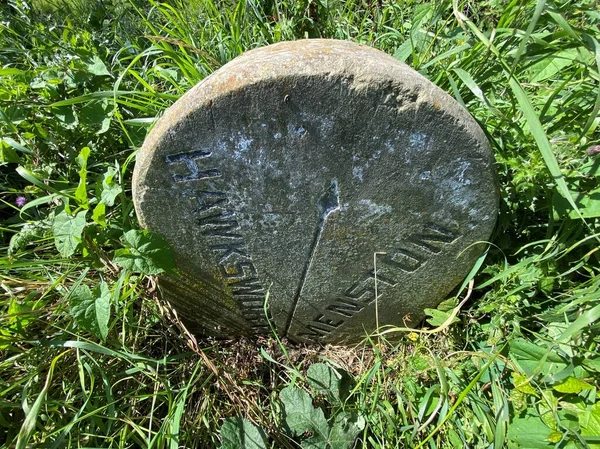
(31, 418)
(535, 127)
(539, 8)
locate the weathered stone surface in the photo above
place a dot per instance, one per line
(288, 168)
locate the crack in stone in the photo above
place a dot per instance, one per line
(327, 203)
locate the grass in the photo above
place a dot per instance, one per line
(518, 369)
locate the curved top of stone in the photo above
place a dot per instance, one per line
(365, 66)
(290, 166)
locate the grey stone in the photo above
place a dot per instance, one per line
(288, 168)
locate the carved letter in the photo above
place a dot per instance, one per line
(247, 287)
(403, 259)
(239, 270)
(431, 240)
(189, 159)
(220, 225)
(230, 249)
(345, 307)
(322, 319)
(208, 200)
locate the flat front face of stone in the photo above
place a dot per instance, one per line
(288, 168)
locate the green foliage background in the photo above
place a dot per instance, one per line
(90, 358)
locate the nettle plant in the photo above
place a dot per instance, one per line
(320, 418)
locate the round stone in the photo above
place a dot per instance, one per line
(320, 187)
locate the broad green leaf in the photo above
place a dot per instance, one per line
(530, 432)
(239, 433)
(593, 365)
(107, 188)
(67, 116)
(552, 64)
(438, 317)
(97, 67)
(572, 385)
(91, 308)
(404, 51)
(588, 204)
(555, 437)
(67, 232)
(423, 13)
(99, 214)
(325, 380)
(10, 71)
(146, 253)
(18, 315)
(522, 384)
(345, 429)
(81, 191)
(96, 114)
(302, 417)
(590, 423)
(8, 155)
(534, 359)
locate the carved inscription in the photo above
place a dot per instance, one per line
(411, 256)
(220, 225)
(189, 159)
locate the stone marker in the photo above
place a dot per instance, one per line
(288, 168)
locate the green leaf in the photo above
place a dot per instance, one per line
(16, 145)
(91, 309)
(530, 432)
(572, 385)
(325, 380)
(29, 423)
(8, 155)
(422, 13)
(97, 114)
(67, 116)
(97, 67)
(555, 437)
(28, 233)
(588, 204)
(404, 51)
(99, 214)
(522, 384)
(146, 253)
(345, 429)
(438, 317)
(107, 188)
(19, 315)
(67, 232)
(468, 80)
(81, 191)
(590, 423)
(9, 71)
(302, 418)
(534, 359)
(552, 64)
(239, 433)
